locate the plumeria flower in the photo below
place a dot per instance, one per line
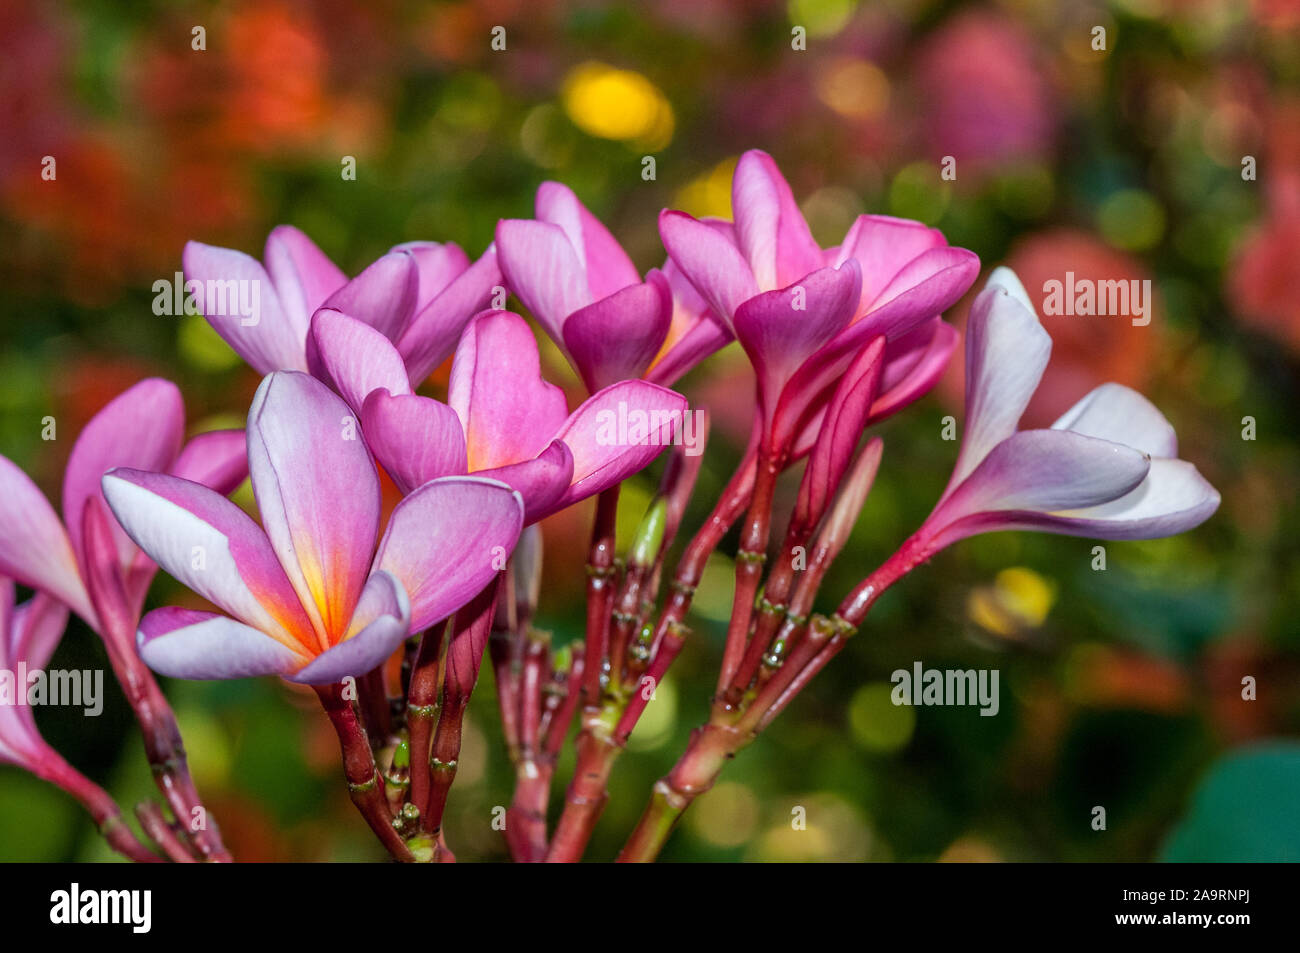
(1107, 469)
(308, 595)
(419, 295)
(575, 278)
(502, 420)
(802, 312)
(143, 427)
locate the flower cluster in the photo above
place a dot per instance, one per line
(328, 586)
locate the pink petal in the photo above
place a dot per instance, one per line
(302, 274)
(416, 439)
(770, 230)
(379, 626)
(318, 493)
(883, 245)
(217, 458)
(541, 481)
(211, 546)
(618, 432)
(439, 263)
(383, 296)
(447, 540)
(710, 260)
(34, 547)
(433, 333)
(35, 630)
(693, 333)
(186, 643)
(508, 412)
(269, 340)
(606, 265)
(353, 358)
(543, 269)
(780, 330)
(617, 337)
(141, 428)
(913, 369)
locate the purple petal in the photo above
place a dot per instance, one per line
(912, 370)
(616, 433)
(709, 258)
(186, 643)
(1006, 353)
(439, 263)
(617, 337)
(379, 626)
(318, 493)
(541, 481)
(606, 265)
(416, 439)
(211, 546)
(433, 333)
(353, 358)
(508, 412)
(447, 540)
(770, 230)
(779, 330)
(543, 269)
(383, 296)
(241, 304)
(34, 547)
(302, 274)
(694, 332)
(1114, 412)
(35, 630)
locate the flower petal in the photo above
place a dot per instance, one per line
(416, 439)
(439, 264)
(617, 432)
(707, 254)
(1116, 413)
(694, 332)
(211, 546)
(318, 493)
(141, 428)
(217, 458)
(1172, 499)
(883, 245)
(434, 331)
(353, 358)
(1006, 353)
(617, 337)
(605, 263)
(240, 302)
(36, 628)
(1042, 471)
(383, 296)
(541, 481)
(379, 626)
(508, 412)
(543, 269)
(779, 330)
(770, 230)
(447, 540)
(302, 274)
(186, 643)
(34, 547)
(913, 367)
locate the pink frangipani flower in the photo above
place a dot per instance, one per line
(502, 420)
(419, 295)
(577, 280)
(308, 594)
(1107, 469)
(143, 428)
(29, 634)
(801, 313)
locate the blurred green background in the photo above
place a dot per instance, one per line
(1120, 688)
